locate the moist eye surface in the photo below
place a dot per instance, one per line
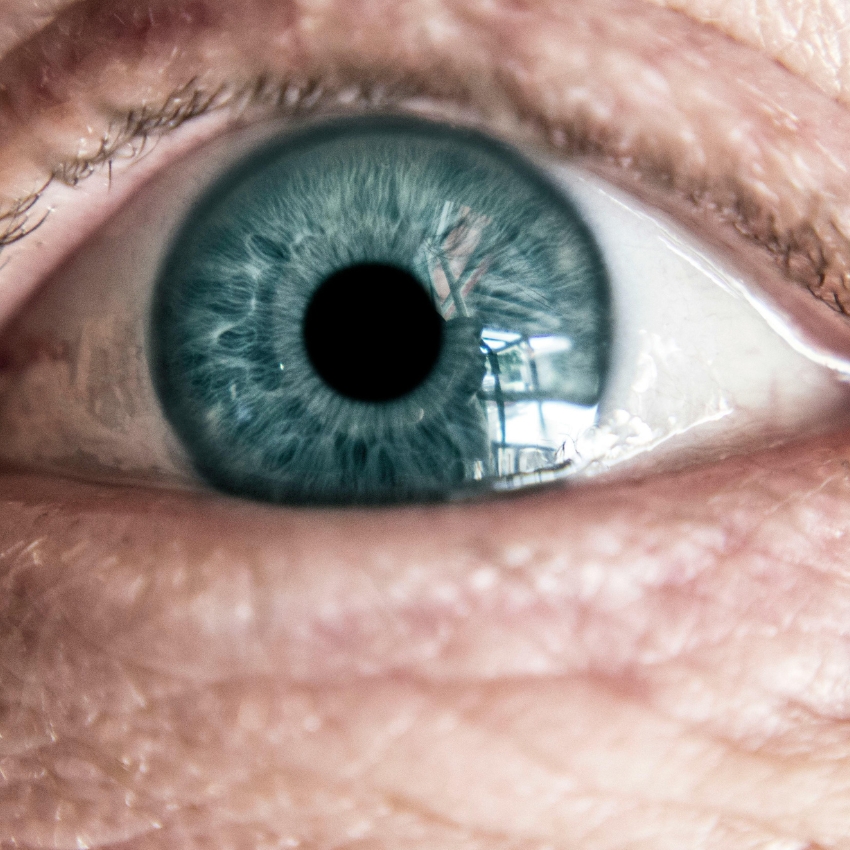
(380, 310)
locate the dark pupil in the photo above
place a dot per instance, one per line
(372, 333)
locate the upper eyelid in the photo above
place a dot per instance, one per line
(816, 254)
(810, 39)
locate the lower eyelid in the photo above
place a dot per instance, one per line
(560, 582)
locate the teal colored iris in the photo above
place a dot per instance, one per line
(380, 310)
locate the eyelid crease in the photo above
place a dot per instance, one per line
(810, 39)
(802, 230)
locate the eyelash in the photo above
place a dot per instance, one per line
(800, 255)
(129, 137)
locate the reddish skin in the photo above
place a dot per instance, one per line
(657, 664)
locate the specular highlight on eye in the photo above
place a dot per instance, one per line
(380, 310)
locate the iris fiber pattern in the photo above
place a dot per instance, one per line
(503, 255)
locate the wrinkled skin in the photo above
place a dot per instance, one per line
(662, 663)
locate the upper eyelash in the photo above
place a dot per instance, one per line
(15, 222)
(131, 134)
(128, 137)
(799, 252)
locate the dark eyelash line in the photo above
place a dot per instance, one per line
(15, 221)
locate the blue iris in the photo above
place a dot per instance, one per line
(379, 310)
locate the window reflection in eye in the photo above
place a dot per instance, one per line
(190, 343)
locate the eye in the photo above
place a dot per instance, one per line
(369, 311)
(389, 309)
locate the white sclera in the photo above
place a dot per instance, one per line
(697, 371)
(702, 365)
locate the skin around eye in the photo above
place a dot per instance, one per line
(655, 660)
(809, 38)
(656, 664)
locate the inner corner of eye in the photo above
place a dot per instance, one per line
(380, 310)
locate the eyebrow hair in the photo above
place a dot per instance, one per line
(50, 69)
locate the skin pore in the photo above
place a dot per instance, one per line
(651, 664)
